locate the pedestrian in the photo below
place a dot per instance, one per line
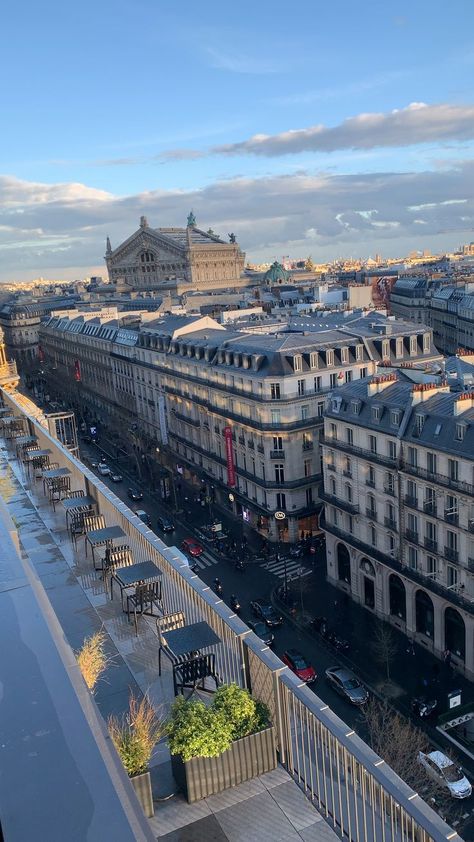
(411, 648)
(336, 605)
(447, 657)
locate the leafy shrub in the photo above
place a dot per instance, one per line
(195, 730)
(136, 734)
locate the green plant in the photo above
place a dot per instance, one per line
(195, 730)
(135, 735)
(92, 659)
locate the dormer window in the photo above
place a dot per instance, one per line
(399, 350)
(359, 352)
(344, 355)
(298, 362)
(355, 407)
(460, 432)
(413, 345)
(426, 343)
(376, 413)
(385, 349)
(395, 417)
(329, 358)
(419, 423)
(313, 360)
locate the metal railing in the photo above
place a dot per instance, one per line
(358, 793)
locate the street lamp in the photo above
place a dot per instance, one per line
(280, 517)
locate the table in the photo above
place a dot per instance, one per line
(190, 638)
(36, 454)
(99, 537)
(191, 666)
(54, 473)
(78, 502)
(143, 572)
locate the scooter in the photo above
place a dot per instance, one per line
(235, 604)
(240, 565)
(218, 587)
(423, 707)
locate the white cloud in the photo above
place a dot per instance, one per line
(65, 225)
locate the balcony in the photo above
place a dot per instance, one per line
(470, 525)
(347, 474)
(260, 448)
(451, 554)
(277, 454)
(331, 466)
(345, 505)
(390, 523)
(371, 513)
(308, 445)
(411, 501)
(470, 565)
(389, 489)
(242, 440)
(386, 461)
(437, 479)
(431, 545)
(370, 483)
(429, 507)
(412, 536)
(451, 517)
(250, 444)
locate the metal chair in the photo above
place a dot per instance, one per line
(187, 674)
(143, 599)
(166, 623)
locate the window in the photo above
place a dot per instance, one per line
(411, 490)
(395, 417)
(371, 507)
(451, 512)
(309, 496)
(373, 536)
(298, 362)
(460, 431)
(413, 346)
(318, 384)
(350, 523)
(385, 349)
(412, 457)
(276, 416)
(301, 387)
(452, 576)
(281, 501)
(392, 449)
(426, 343)
(376, 413)
(348, 467)
(307, 441)
(419, 424)
(399, 349)
(359, 352)
(373, 444)
(313, 360)
(329, 358)
(391, 544)
(332, 486)
(412, 522)
(279, 473)
(277, 443)
(355, 407)
(304, 413)
(363, 372)
(335, 516)
(349, 435)
(333, 431)
(320, 409)
(431, 463)
(275, 391)
(412, 557)
(348, 376)
(430, 535)
(390, 483)
(344, 355)
(432, 565)
(451, 541)
(453, 469)
(332, 380)
(308, 467)
(331, 462)
(348, 492)
(371, 476)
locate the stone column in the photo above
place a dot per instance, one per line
(410, 602)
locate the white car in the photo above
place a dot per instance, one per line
(103, 469)
(446, 773)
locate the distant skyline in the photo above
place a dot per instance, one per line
(330, 130)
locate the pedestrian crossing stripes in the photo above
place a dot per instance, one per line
(294, 568)
(204, 560)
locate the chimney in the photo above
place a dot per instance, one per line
(379, 383)
(465, 355)
(421, 392)
(463, 402)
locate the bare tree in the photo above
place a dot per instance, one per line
(399, 742)
(385, 646)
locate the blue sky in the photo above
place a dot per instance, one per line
(116, 109)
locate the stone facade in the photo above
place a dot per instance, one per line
(177, 259)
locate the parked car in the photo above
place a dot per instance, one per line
(165, 524)
(446, 773)
(192, 547)
(116, 477)
(264, 609)
(299, 665)
(344, 682)
(134, 494)
(261, 631)
(103, 469)
(144, 516)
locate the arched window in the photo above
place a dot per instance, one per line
(343, 564)
(424, 614)
(397, 597)
(333, 486)
(455, 633)
(147, 257)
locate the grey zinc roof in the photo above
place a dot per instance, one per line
(394, 396)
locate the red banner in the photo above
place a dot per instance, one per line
(77, 370)
(230, 457)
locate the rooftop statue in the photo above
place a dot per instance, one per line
(232, 238)
(191, 220)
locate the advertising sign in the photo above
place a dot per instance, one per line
(77, 371)
(230, 457)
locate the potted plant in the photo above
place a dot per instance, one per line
(134, 736)
(92, 659)
(217, 747)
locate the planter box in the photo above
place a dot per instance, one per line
(142, 786)
(245, 759)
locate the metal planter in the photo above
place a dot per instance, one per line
(245, 759)
(142, 786)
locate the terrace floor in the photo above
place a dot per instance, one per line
(271, 807)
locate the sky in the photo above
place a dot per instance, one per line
(326, 129)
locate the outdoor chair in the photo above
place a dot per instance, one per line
(142, 600)
(166, 623)
(188, 673)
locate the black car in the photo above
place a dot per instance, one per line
(262, 632)
(165, 524)
(264, 609)
(134, 494)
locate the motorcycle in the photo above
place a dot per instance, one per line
(297, 551)
(239, 565)
(235, 604)
(320, 624)
(423, 707)
(218, 587)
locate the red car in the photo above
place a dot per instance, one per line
(299, 665)
(192, 547)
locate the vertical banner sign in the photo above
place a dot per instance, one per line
(77, 371)
(40, 354)
(162, 417)
(230, 457)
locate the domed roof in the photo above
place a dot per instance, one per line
(276, 274)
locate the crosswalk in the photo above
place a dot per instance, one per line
(204, 560)
(294, 568)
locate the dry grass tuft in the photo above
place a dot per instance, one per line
(92, 659)
(136, 734)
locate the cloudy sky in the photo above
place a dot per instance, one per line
(323, 129)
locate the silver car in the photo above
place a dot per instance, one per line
(344, 682)
(446, 772)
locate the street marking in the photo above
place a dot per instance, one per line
(293, 569)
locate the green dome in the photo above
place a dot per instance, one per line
(276, 274)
